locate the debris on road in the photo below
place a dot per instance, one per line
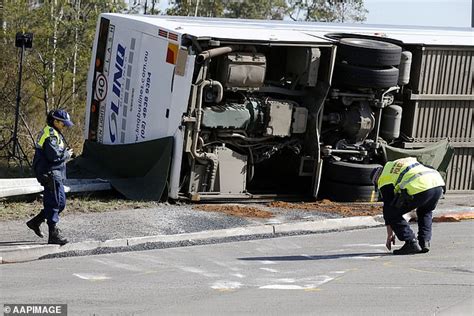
(457, 217)
(236, 210)
(269, 210)
(346, 210)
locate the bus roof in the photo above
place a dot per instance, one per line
(292, 31)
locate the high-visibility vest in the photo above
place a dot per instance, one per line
(408, 174)
(49, 131)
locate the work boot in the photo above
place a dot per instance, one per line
(55, 236)
(410, 247)
(35, 223)
(424, 245)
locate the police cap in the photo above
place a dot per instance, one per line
(63, 116)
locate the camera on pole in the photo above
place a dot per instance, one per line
(22, 41)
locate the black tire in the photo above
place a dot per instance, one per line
(343, 192)
(363, 77)
(365, 52)
(348, 172)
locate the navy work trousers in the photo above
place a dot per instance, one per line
(424, 202)
(54, 201)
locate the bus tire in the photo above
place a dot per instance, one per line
(343, 192)
(349, 172)
(364, 77)
(366, 52)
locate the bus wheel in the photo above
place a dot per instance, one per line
(349, 172)
(364, 77)
(343, 192)
(366, 52)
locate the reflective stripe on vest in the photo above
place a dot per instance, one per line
(393, 169)
(421, 181)
(48, 131)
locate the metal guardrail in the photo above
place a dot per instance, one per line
(23, 186)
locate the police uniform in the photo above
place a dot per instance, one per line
(405, 185)
(49, 166)
(50, 170)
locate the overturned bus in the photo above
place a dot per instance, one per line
(203, 109)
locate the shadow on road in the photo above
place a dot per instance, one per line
(319, 257)
(18, 243)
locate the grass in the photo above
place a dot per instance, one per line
(26, 206)
(21, 208)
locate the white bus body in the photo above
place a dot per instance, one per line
(254, 107)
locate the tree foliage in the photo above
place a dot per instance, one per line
(327, 10)
(205, 8)
(301, 10)
(264, 9)
(55, 69)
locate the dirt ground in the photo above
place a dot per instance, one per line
(265, 211)
(236, 210)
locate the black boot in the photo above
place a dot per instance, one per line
(409, 248)
(55, 236)
(35, 223)
(424, 245)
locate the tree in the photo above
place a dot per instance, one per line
(144, 7)
(264, 9)
(55, 69)
(205, 8)
(327, 10)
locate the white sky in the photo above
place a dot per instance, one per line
(456, 13)
(420, 12)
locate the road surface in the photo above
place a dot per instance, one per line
(332, 273)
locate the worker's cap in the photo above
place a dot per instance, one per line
(63, 116)
(375, 175)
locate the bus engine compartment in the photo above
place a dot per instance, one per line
(264, 119)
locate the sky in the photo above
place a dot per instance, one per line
(454, 13)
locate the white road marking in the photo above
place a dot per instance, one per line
(308, 283)
(286, 280)
(269, 270)
(239, 275)
(226, 285)
(364, 257)
(91, 276)
(267, 262)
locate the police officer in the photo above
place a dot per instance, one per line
(405, 185)
(49, 166)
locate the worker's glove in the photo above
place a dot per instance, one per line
(390, 241)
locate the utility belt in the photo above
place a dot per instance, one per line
(47, 180)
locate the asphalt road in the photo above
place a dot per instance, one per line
(333, 273)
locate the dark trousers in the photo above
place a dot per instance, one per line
(424, 203)
(54, 201)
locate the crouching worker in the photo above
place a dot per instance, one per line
(405, 185)
(49, 166)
